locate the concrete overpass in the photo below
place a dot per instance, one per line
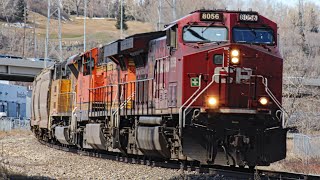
(18, 69)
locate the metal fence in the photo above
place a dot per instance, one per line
(306, 146)
(7, 124)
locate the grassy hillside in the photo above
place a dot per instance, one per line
(97, 29)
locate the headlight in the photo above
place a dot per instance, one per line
(263, 101)
(235, 53)
(212, 101)
(235, 60)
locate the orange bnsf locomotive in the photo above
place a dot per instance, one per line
(206, 89)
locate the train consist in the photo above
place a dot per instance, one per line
(206, 89)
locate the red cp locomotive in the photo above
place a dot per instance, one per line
(207, 88)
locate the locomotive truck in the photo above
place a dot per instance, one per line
(206, 89)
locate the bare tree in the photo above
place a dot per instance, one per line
(7, 9)
(77, 4)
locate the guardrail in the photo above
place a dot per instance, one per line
(8, 124)
(305, 146)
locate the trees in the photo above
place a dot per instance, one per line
(20, 10)
(118, 23)
(77, 4)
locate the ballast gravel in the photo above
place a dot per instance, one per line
(21, 154)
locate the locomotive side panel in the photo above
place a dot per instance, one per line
(112, 77)
(193, 66)
(35, 102)
(82, 86)
(61, 97)
(54, 99)
(160, 59)
(44, 94)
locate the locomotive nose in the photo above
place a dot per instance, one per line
(239, 78)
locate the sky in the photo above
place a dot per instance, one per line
(292, 3)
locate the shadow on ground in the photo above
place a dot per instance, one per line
(22, 177)
(205, 177)
(5, 173)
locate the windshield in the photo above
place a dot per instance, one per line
(255, 36)
(204, 34)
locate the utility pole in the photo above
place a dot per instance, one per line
(47, 35)
(84, 25)
(24, 29)
(121, 19)
(34, 37)
(174, 8)
(51, 45)
(160, 14)
(59, 29)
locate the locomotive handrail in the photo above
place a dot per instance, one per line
(115, 115)
(203, 90)
(115, 118)
(180, 109)
(182, 118)
(269, 92)
(111, 85)
(141, 80)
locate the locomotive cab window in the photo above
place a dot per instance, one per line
(253, 35)
(218, 59)
(204, 34)
(88, 65)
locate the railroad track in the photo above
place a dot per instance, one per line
(202, 172)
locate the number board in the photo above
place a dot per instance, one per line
(211, 16)
(247, 17)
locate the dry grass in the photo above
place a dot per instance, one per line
(102, 30)
(15, 132)
(293, 163)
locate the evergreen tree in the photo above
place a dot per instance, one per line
(314, 21)
(118, 24)
(19, 13)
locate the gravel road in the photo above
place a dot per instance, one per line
(22, 154)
